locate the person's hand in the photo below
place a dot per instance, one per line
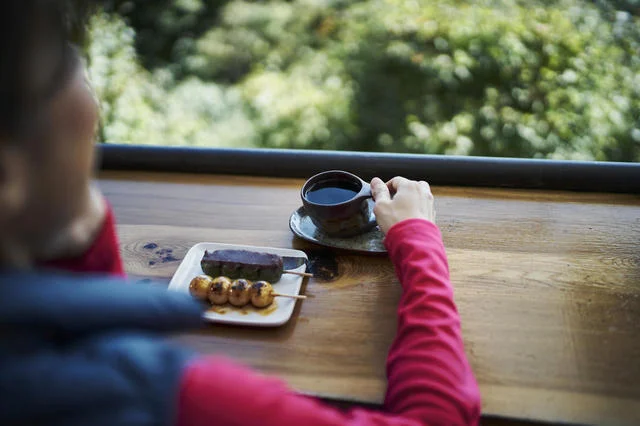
(401, 199)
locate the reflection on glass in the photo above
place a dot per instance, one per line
(521, 78)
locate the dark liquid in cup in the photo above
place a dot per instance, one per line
(332, 192)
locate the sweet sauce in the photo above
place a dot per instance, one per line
(245, 310)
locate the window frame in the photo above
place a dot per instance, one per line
(584, 176)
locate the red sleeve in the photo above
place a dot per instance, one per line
(430, 380)
(102, 257)
(429, 375)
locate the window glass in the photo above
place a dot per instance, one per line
(512, 78)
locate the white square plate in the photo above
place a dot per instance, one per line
(275, 315)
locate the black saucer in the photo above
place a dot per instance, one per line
(370, 241)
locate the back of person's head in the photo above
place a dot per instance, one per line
(33, 57)
(48, 118)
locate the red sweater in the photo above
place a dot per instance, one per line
(430, 381)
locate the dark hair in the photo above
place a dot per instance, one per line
(22, 22)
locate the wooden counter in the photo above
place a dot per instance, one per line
(547, 284)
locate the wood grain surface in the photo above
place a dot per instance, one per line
(547, 284)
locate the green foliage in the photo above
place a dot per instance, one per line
(499, 80)
(151, 108)
(166, 30)
(545, 79)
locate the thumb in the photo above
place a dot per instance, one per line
(379, 190)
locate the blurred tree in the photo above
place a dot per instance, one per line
(538, 78)
(166, 30)
(141, 107)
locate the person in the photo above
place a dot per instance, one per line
(77, 347)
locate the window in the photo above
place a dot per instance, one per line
(505, 78)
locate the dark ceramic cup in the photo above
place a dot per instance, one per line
(338, 203)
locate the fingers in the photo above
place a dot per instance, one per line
(431, 209)
(379, 190)
(426, 188)
(399, 183)
(396, 183)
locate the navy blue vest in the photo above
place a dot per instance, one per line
(78, 350)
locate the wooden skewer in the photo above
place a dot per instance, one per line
(291, 296)
(302, 274)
